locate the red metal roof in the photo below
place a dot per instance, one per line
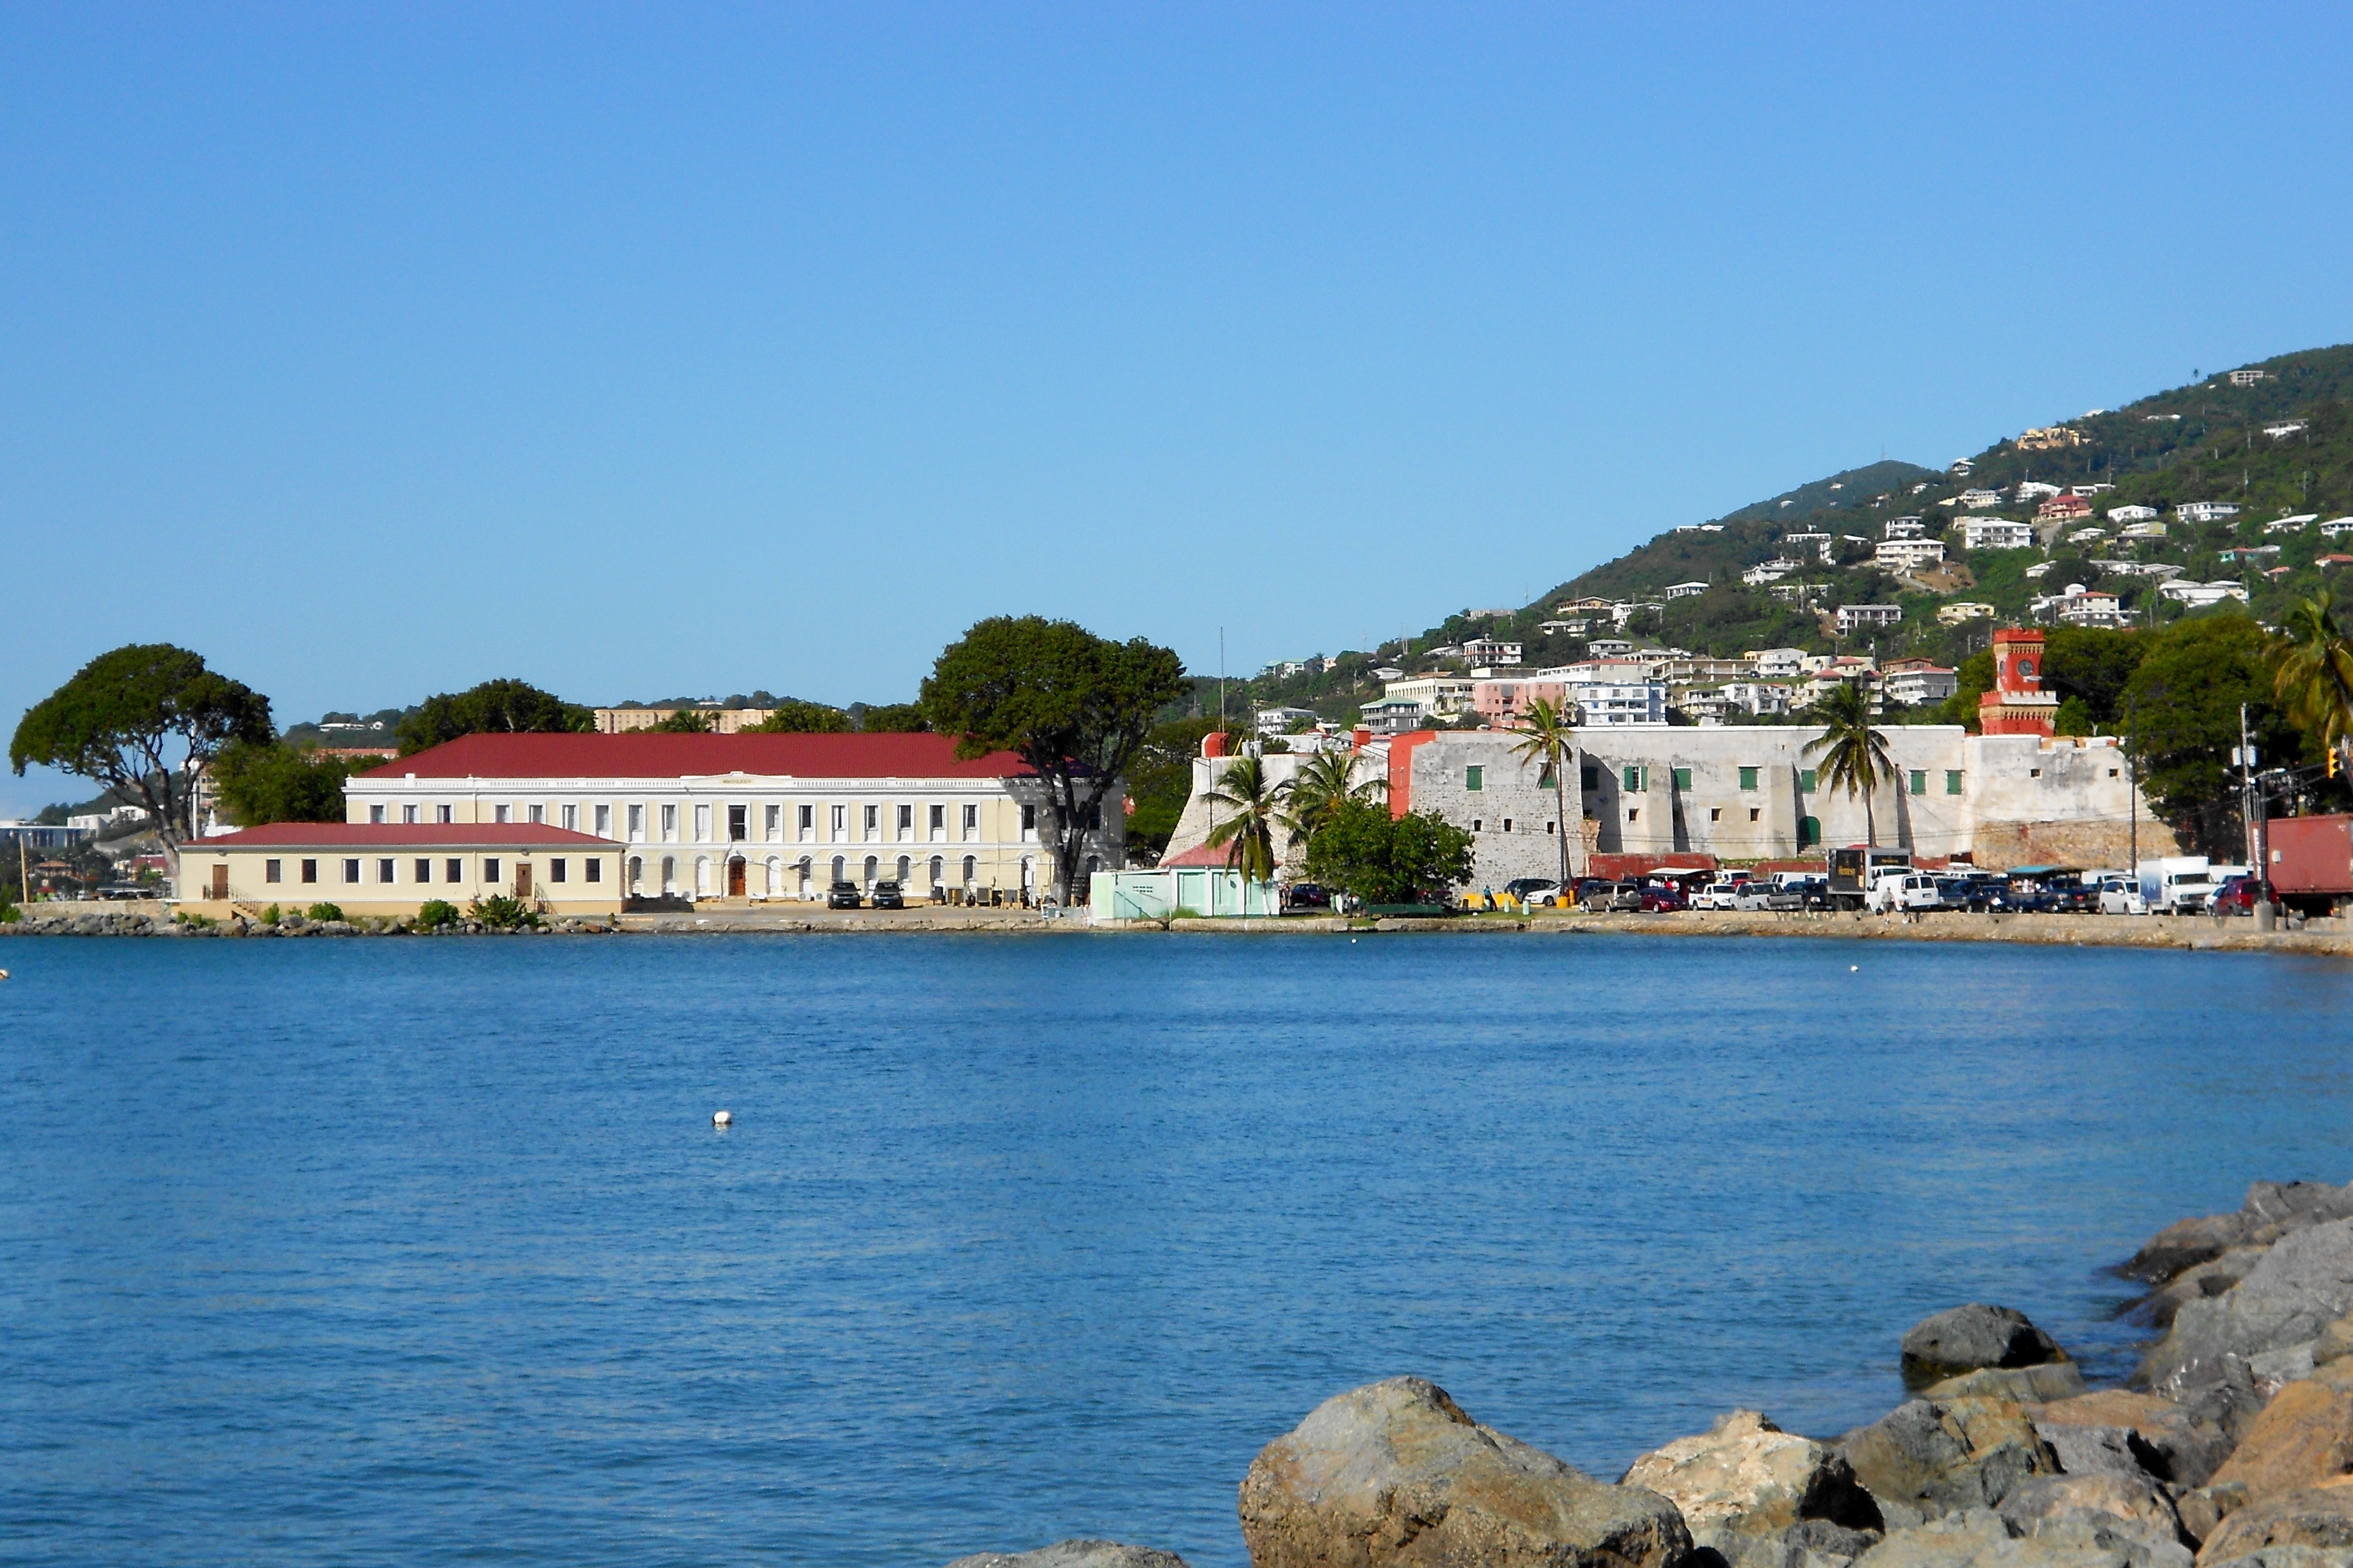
(1199, 855)
(398, 835)
(643, 754)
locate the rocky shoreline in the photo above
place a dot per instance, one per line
(2231, 1447)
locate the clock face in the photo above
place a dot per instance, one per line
(2026, 667)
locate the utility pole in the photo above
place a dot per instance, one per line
(2246, 761)
(2132, 770)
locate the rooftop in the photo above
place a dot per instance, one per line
(400, 835)
(643, 754)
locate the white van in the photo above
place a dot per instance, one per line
(1900, 888)
(2177, 884)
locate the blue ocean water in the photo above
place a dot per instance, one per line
(427, 1251)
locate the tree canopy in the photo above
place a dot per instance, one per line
(509, 707)
(2184, 698)
(892, 719)
(1075, 706)
(1377, 858)
(793, 717)
(279, 782)
(133, 719)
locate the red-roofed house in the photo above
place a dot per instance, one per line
(752, 817)
(392, 868)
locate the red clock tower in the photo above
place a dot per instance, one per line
(2018, 705)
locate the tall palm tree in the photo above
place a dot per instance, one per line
(1323, 784)
(1256, 802)
(2315, 678)
(1854, 755)
(1548, 735)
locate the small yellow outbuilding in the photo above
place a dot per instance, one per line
(380, 869)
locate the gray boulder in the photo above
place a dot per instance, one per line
(2130, 1505)
(2198, 1283)
(2100, 1450)
(1760, 1497)
(1944, 1455)
(1395, 1473)
(1075, 1554)
(1963, 1339)
(2320, 1519)
(1981, 1537)
(2271, 1209)
(2169, 1440)
(2026, 1385)
(2298, 1289)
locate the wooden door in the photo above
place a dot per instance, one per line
(523, 878)
(734, 878)
(220, 882)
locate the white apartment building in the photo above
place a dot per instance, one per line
(1908, 554)
(1905, 528)
(2337, 527)
(2205, 510)
(1486, 650)
(1779, 663)
(1685, 590)
(1960, 610)
(1442, 696)
(2198, 595)
(1857, 617)
(1820, 543)
(1610, 694)
(1996, 534)
(1978, 500)
(752, 817)
(1282, 721)
(1773, 571)
(2141, 531)
(2132, 514)
(1915, 682)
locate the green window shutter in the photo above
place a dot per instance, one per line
(1683, 778)
(1748, 778)
(1543, 779)
(1952, 781)
(1805, 781)
(1809, 832)
(1634, 778)
(1475, 776)
(1919, 781)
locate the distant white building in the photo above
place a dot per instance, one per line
(2099, 490)
(1282, 721)
(1978, 500)
(1962, 610)
(2337, 527)
(2141, 531)
(1685, 590)
(2034, 489)
(1765, 572)
(1820, 543)
(1916, 682)
(1604, 696)
(1778, 663)
(1962, 469)
(2205, 510)
(1486, 650)
(2277, 431)
(2247, 377)
(1439, 695)
(1761, 699)
(1996, 534)
(2132, 514)
(2091, 608)
(2087, 535)
(1905, 528)
(2197, 595)
(1908, 554)
(2290, 524)
(1856, 617)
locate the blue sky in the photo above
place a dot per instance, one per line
(644, 351)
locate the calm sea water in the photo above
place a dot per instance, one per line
(380, 1252)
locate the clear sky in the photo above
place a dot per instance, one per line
(642, 351)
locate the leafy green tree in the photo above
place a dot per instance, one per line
(1852, 754)
(2185, 698)
(1377, 858)
(685, 721)
(279, 782)
(1325, 782)
(1075, 707)
(2315, 676)
(1545, 734)
(1974, 678)
(2093, 666)
(893, 718)
(497, 707)
(792, 717)
(1249, 804)
(137, 720)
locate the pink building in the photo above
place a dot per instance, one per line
(1503, 701)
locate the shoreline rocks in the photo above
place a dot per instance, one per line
(1962, 1339)
(1075, 1553)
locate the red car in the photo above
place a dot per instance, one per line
(2237, 896)
(1655, 900)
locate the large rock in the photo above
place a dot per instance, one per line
(1075, 1554)
(2201, 1282)
(2130, 1505)
(1963, 1339)
(1981, 1537)
(1944, 1455)
(2321, 1517)
(2271, 1209)
(2303, 1438)
(2026, 1385)
(1395, 1473)
(2168, 1439)
(1747, 1477)
(2303, 1285)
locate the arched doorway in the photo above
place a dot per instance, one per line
(776, 876)
(637, 875)
(670, 875)
(736, 876)
(870, 864)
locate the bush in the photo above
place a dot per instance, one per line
(436, 914)
(500, 912)
(272, 915)
(324, 912)
(194, 922)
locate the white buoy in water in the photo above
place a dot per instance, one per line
(722, 1119)
(1854, 969)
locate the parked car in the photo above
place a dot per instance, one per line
(1593, 892)
(1972, 893)
(1663, 900)
(1532, 889)
(887, 896)
(1306, 896)
(2120, 895)
(1623, 897)
(2074, 898)
(841, 896)
(2239, 896)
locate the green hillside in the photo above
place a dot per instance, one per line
(2210, 441)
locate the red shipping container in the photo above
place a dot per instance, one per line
(2311, 855)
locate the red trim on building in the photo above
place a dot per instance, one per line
(396, 835)
(643, 754)
(1401, 750)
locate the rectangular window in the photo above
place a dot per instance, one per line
(1588, 778)
(424, 872)
(939, 819)
(1919, 781)
(806, 823)
(1715, 813)
(670, 823)
(351, 873)
(491, 870)
(702, 825)
(1683, 778)
(454, 871)
(841, 822)
(1805, 781)
(1028, 822)
(535, 814)
(310, 871)
(570, 819)
(637, 824)
(375, 814)
(594, 868)
(1748, 778)
(739, 826)
(408, 814)
(1474, 777)
(1477, 826)
(383, 871)
(603, 820)
(498, 812)
(1634, 780)
(906, 823)
(273, 870)
(870, 821)
(1754, 814)
(772, 823)
(556, 870)
(972, 821)
(1953, 780)
(1633, 814)
(445, 814)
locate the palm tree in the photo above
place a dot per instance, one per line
(1323, 784)
(1854, 756)
(1547, 735)
(1247, 835)
(2315, 678)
